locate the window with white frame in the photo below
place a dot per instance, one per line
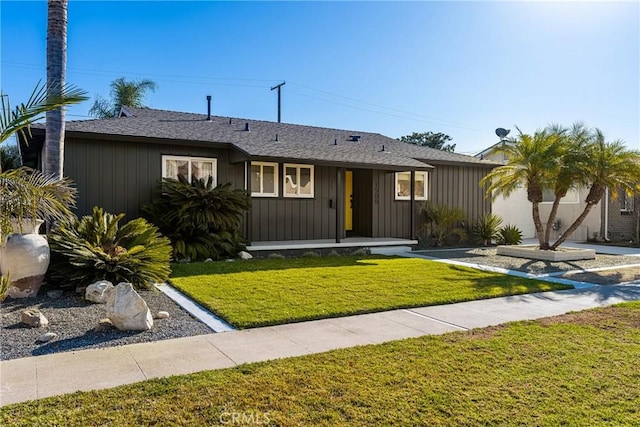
(298, 180)
(626, 202)
(189, 167)
(572, 196)
(403, 185)
(264, 179)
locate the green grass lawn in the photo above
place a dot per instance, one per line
(275, 291)
(576, 369)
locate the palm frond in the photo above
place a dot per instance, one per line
(43, 98)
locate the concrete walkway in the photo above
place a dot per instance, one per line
(41, 376)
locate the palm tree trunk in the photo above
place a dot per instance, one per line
(56, 70)
(551, 219)
(538, 223)
(573, 227)
(595, 194)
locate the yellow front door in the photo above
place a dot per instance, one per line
(348, 200)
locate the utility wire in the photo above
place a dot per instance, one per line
(239, 82)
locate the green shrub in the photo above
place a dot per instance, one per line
(509, 235)
(276, 256)
(487, 228)
(96, 248)
(201, 221)
(333, 253)
(442, 223)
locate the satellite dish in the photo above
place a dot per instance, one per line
(502, 133)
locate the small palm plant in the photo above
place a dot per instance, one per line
(202, 221)
(443, 222)
(96, 248)
(27, 194)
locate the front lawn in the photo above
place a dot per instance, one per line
(576, 369)
(275, 291)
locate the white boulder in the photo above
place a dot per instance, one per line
(245, 255)
(47, 337)
(127, 310)
(98, 291)
(34, 318)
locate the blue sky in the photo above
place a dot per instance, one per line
(462, 68)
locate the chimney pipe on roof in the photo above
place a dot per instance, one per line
(208, 108)
(246, 127)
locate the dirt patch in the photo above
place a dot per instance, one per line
(602, 318)
(606, 277)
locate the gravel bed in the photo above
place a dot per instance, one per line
(487, 256)
(74, 320)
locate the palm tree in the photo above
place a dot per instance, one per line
(607, 165)
(571, 172)
(533, 162)
(56, 70)
(128, 93)
(43, 99)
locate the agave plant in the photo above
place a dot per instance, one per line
(29, 194)
(96, 248)
(201, 221)
(443, 222)
(509, 235)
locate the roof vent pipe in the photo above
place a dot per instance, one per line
(208, 108)
(335, 141)
(277, 140)
(246, 127)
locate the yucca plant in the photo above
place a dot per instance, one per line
(202, 221)
(509, 235)
(443, 222)
(487, 228)
(5, 281)
(96, 247)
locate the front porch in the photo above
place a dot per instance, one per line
(349, 242)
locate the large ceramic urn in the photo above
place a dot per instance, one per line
(25, 259)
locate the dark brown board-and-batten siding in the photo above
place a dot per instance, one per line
(459, 186)
(121, 176)
(294, 218)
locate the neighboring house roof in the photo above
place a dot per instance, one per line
(489, 150)
(271, 140)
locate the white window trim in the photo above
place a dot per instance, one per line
(298, 167)
(261, 193)
(190, 159)
(426, 186)
(564, 201)
(629, 206)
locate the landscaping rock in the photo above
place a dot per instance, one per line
(127, 310)
(47, 337)
(98, 291)
(103, 325)
(34, 318)
(208, 260)
(161, 315)
(245, 255)
(55, 293)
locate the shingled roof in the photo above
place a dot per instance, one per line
(271, 140)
